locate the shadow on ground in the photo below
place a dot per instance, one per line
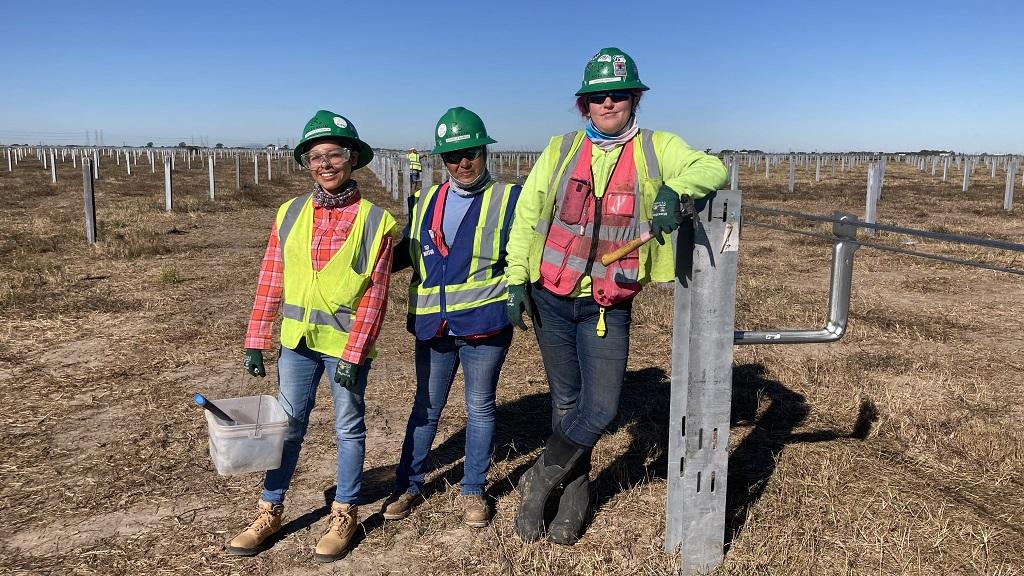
(523, 426)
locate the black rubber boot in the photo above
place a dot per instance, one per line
(573, 506)
(556, 417)
(559, 459)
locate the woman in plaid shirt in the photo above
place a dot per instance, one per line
(326, 271)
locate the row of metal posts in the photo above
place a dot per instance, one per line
(47, 157)
(90, 173)
(967, 164)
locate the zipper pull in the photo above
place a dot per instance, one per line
(601, 328)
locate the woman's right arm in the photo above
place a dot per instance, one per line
(529, 208)
(269, 290)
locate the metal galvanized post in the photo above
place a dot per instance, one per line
(394, 179)
(256, 169)
(90, 202)
(1011, 178)
(53, 166)
(270, 167)
(212, 189)
(95, 165)
(168, 201)
(702, 342)
(873, 192)
(792, 174)
(967, 174)
(238, 178)
(406, 188)
(734, 174)
(428, 174)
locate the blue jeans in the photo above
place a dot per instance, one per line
(585, 371)
(437, 360)
(299, 373)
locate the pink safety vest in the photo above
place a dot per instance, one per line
(570, 250)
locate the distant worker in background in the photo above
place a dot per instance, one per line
(591, 192)
(327, 269)
(455, 244)
(415, 170)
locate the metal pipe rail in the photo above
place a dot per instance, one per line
(973, 240)
(840, 285)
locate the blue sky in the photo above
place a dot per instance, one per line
(776, 76)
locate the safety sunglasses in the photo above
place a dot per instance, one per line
(617, 96)
(336, 157)
(456, 156)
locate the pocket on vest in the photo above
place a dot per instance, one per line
(577, 194)
(555, 260)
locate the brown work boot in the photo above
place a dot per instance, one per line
(399, 506)
(252, 539)
(475, 511)
(341, 526)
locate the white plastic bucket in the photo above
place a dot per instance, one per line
(255, 440)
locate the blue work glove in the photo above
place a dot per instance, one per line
(518, 302)
(347, 374)
(665, 215)
(254, 362)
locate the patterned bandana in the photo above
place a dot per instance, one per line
(608, 142)
(324, 199)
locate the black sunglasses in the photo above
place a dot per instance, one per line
(617, 96)
(456, 156)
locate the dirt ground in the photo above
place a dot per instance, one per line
(897, 450)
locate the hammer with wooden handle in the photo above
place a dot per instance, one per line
(626, 248)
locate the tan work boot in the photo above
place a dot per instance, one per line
(398, 506)
(475, 511)
(341, 525)
(252, 539)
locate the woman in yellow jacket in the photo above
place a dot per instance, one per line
(590, 192)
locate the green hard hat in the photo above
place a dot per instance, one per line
(459, 129)
(327, 124)
(610, 69)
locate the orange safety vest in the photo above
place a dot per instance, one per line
(584, 226)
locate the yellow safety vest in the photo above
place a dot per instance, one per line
(319, 306)
(414, 162)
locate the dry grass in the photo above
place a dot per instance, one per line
(896, 451)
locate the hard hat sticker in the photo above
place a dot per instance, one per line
(441, 130)
(606, 80)
(604, 58)
(619, 66)
(340, 122)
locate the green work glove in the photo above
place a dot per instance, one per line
(518, 302)
(347, 374)
(665, 216)
(254, 362)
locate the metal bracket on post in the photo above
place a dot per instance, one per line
(843, 248)
(702, 340)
